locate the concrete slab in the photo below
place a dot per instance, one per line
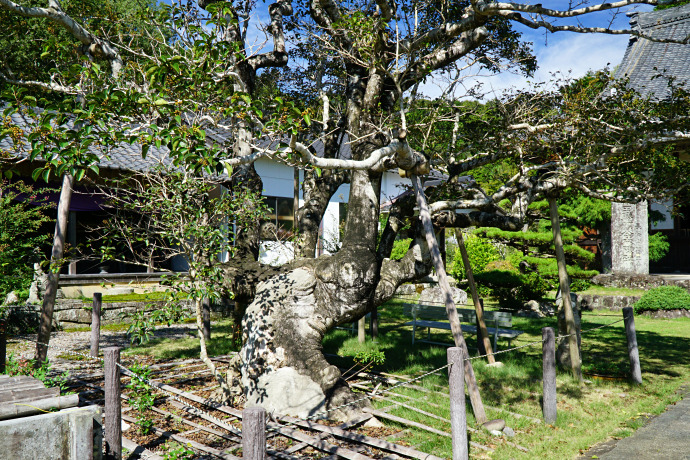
(70, 434)
(665, 437)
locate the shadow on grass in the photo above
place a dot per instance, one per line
(604, 351)
(221, 343)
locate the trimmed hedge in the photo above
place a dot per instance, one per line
(663, 298)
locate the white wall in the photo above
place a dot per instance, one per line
(277, 178)
(392, 185)
(278, 181)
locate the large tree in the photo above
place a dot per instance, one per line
(197, 80)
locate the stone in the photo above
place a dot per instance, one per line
(496, 424)
(285, 391)
(406, 290)
(373, 423)
(629, 238)
(11, 299)
(120, 291)
(508, 431)
(496, 432)
(434, 295)
(70, 434)
(536, 309)
(496, 364)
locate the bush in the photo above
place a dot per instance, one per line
(663, 298)
(658, 246)
(400, 248)
(579, 284)
(511, 288)
(22, 213)
(480, 251)
(20, 320)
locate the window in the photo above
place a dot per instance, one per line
(281, 215)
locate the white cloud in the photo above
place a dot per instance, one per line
(571, 55)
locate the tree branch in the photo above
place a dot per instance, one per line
(278, 57)
(94, 45)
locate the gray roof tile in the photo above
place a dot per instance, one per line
(649, 65)
(126, 157)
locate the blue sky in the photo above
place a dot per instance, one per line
(570, 53)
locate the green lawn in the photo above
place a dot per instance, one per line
(587, 414)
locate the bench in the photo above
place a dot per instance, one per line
(499, 324)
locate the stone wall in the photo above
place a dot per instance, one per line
(69, 313)
(606, 302)
(77, 313)
(645, 282)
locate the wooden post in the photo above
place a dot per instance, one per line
(96, 323)
(113, 410)
(549, 374)
(206, 317)
(3, 346)
(254, 433)
(458, 415)
(361, 329)
(633, 351)
(451, 310)
(374, 323)
(483, 342)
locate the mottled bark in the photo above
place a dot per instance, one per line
(282, 366)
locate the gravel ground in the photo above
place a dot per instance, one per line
(61, 343)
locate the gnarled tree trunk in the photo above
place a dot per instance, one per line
(282, 366)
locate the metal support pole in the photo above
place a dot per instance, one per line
(113, 409)
(96, 323)
(549, 374)
(633, 351)
(458, 414)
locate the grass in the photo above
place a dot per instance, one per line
(115, 327)
(587, 413)
(145, 297)
(220, 344)
(605, 290)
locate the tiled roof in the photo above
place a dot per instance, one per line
(125, 157)
(648, 65)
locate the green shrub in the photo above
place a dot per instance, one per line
(22, 213)
(579, 284)
(511, 288)
(663, 298)
(658, 246)
(480, 251)
(400, 248)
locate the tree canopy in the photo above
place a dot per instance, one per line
(344, 101)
